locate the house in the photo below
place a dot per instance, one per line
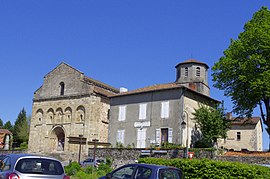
(244, 134)
(161, 113)
(69, 109)
(5, 139)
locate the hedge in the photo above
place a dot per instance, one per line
(205, 168)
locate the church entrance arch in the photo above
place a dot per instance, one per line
(57, 139)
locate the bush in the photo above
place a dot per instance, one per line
(72, 168)
(205, 168)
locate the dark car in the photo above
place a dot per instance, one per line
(145, 171)
(92, 162)
(31, 166)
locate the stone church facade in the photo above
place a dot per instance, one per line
(69, 109)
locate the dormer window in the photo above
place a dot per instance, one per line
(186, 71)
(62, 88)
(198, 72)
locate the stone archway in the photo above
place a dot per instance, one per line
(57, 139)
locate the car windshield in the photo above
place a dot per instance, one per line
(89, 160)
(39, 166)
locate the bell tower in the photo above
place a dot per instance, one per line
(194, 75)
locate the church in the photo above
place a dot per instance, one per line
(69, 111)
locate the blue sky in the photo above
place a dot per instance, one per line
(124, 43)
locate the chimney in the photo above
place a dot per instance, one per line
(229, 115)
(122, 90)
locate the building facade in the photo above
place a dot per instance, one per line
(68, 109)
(162, 113)
(244, 134)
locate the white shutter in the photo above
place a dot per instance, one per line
(158, 136)
(142, 113)
(138, 138)
(120, 136)
(165, 109)
(170, 135)
(122, 113)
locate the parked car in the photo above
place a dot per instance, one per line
(145, 171)
(91, 162)
(16, 166)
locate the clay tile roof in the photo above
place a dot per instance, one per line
(5, 131)
(150, 88)
(245, 121)
(192, 61)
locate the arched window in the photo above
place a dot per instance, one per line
(186, 71)
(62, 88)
(198, 72)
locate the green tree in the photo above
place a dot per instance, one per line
(23, 130)
(244, 70)
(211, 122)
(20, 128)
(8, 126)
(1, 123)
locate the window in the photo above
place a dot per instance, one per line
(238, 136)
(62, 88)
(122, 113)
(186, 71)
(141, 137)
(165, 109)
(125, 172)
(198, 72)
(120, 136)
(143, 173)
(142, 112)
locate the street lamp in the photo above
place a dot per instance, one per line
(185, 125)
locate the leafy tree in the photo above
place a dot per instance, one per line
(8, 126)
(211, 122)
(20, 127)
(1, 123)
(244, 70)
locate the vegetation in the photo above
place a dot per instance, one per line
(21, 129)
(212, 124)
(77, 172)
(244, 70)
(205, 168)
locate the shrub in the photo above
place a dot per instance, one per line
(72, 168)
(205, 168)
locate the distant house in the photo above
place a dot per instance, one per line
(161, 113)
(5, 139)
(244, 134)
(68, 109)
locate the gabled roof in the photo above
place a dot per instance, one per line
(63, 63)
(192, 61)
(160, 87)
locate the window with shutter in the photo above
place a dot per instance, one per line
(158, 136)
(170, 135)
(122, 113)
(120, 136)
(141, 136)
(165, 108)
(142, 112)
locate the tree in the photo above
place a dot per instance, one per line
(20, 127)
(211, 122)
(244, 70)
(1, 123)
(8, 126)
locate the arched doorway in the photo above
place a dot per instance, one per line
(57, 139)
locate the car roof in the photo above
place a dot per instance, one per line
(153, 166)
(24, 155)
